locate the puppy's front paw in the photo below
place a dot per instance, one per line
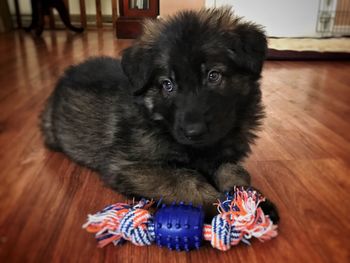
(270, 209)
(228, 175)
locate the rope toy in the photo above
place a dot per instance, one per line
(181, 226)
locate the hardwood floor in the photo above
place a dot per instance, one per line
(301, 162)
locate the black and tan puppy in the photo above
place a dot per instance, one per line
(174, 117)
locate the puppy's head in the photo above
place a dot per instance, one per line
(197, 73)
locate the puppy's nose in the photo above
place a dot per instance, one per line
(195, 130)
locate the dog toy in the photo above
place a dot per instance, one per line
(181, 226)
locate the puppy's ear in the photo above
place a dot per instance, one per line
(248, 47)
(137, 66)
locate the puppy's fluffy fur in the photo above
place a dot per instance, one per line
(174, 117)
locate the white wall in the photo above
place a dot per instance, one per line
(281, 18)
(166, 7)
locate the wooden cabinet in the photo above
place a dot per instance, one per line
(132, 12)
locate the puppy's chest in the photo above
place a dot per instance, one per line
(155, 147)
(208, 160)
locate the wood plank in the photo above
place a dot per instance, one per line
(301, 162)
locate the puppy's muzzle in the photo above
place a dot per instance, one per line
(195, 130)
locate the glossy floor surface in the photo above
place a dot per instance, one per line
(301, 162)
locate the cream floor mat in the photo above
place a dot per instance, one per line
(311, 44)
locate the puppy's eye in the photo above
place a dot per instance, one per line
(214, 76)
(167, 85)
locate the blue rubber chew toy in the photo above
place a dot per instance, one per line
(181, 226)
